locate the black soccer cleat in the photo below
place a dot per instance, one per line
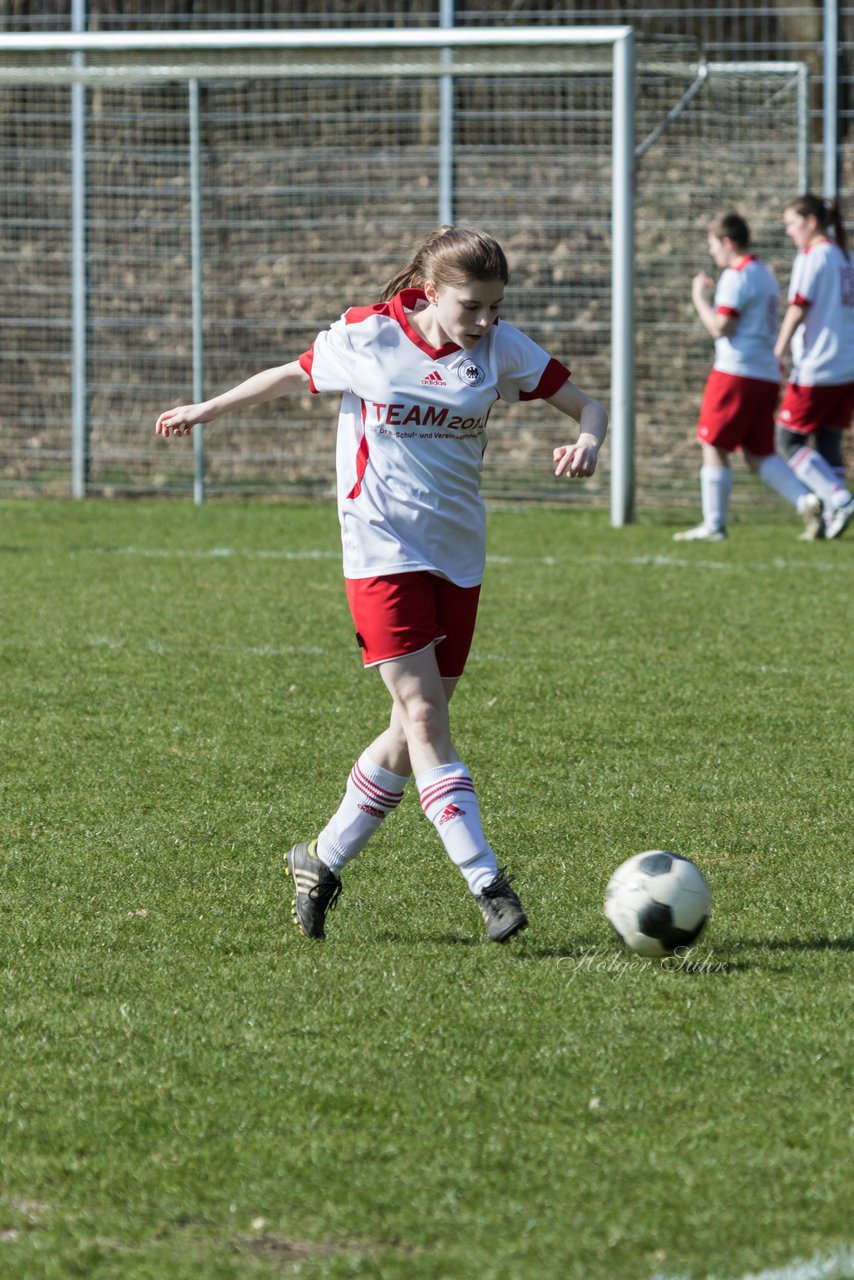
(316, 889)
(501, 909)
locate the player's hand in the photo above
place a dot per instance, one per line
(701, 284)
(577, 459)
(181, 420)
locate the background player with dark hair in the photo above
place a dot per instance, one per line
(741, 392)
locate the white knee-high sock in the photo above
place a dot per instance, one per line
(715, 488)
(372, 794)
(774, 472)
(449, 800)
(817, 474)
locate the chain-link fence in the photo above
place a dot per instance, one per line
(314, 191)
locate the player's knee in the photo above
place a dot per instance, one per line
(828, 442)
(789, 442)
(425, 721)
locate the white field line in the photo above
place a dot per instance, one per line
(778, 564)
(255, 651)
(838, 1265)
(216, 553)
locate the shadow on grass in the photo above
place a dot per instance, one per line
(701, 960)
(437, 939)
(794, 944)
(590, 957)
(705, 962)
(530, 949)
(769, 949)
(522, 945)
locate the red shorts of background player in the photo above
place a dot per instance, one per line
(808, 409)
(738, 413)
(403, 613)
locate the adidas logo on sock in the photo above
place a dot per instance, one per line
(434, 379)
(372, 811)
(451, 811)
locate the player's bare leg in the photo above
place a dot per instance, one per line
(447, 793)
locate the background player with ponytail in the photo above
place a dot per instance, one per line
(818, 330)
(418, 372)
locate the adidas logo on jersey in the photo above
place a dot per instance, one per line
(434, 379)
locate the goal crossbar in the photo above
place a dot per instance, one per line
(369, 38)
(149, 57)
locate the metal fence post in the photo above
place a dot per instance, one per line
(197, 260)
(830, 186)
(80, 460)
(446, 125)
(622, 287)
(803, 127)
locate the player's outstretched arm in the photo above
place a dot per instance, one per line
(792, 318)
(579, 459)
(267, 385)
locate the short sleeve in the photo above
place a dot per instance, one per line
(729, 295)
(526, 371)
(802, 282)
(329, 360)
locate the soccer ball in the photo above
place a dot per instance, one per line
(657, 902)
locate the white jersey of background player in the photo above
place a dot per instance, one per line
(419, 373)
(818, 329)
(822, 283)
(749, 293)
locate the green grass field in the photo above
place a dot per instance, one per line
(188, 1088)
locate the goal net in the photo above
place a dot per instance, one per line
(317, 173)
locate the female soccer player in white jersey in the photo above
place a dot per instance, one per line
(419, 372)
(818, 329)
(740, 396)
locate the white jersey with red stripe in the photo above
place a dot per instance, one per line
(412, 434)
(748, 291)
(822, 282)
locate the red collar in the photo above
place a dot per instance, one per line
(405, 301)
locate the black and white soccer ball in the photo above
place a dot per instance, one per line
(657, 903)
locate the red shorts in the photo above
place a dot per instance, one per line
(807, 409)
(403, 613)
(738, 413)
